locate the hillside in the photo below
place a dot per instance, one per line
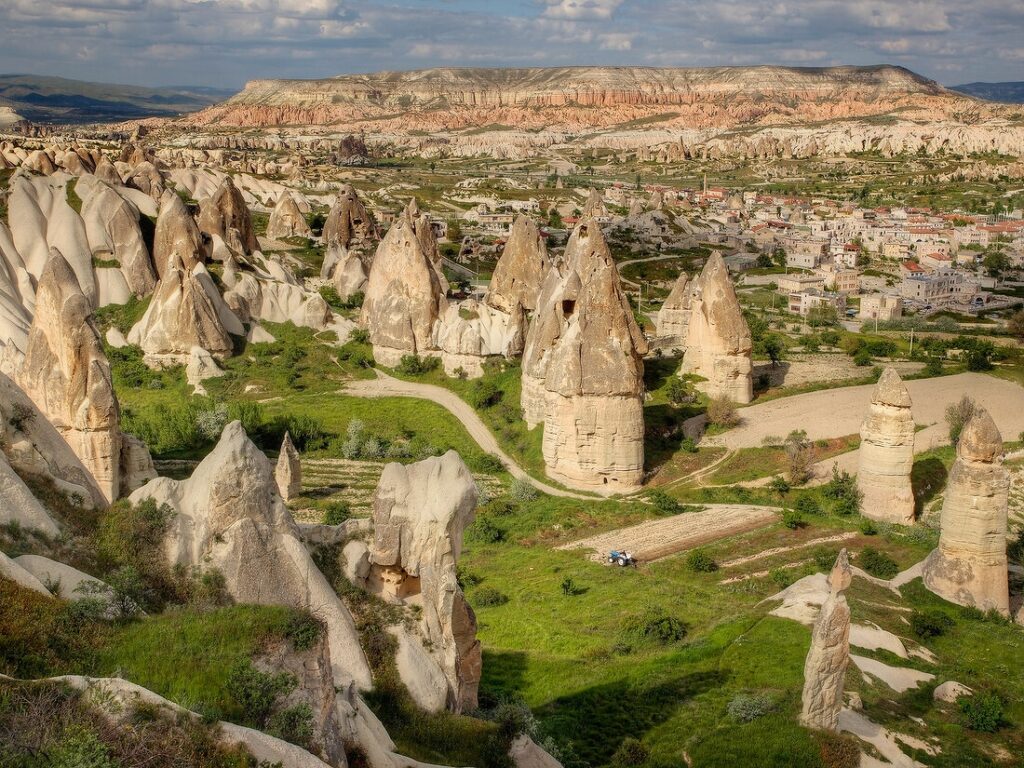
(580, 98)
(58, 100)
(1008, 93)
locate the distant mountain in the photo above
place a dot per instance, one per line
(1008, 93)
(44, 99)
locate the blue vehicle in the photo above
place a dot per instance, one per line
(621, 559)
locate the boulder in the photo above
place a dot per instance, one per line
(230, 516)
(404, 296)
(200, 367)
(186, 311)
(177, 235)
(18, 505)
(594, 384)
(68, 583)
(287, 220)
(674, 315)
(520, 271)
(525, 753)
(969, 566)
(419, 514)
(829, 655)
(887, 453)
(357, 561)
(288, 473)
(14, 572)
(950, 691)
(68, 377)
(225, 215)
(718, 343)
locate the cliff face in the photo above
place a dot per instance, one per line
(569, 97)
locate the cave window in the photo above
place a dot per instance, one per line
(568, 307)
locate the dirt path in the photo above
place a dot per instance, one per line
(389, 386)
(656, 539)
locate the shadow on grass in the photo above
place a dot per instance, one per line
(504, 677)
(596, 721)
(927, 478)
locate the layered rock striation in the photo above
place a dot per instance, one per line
(887, 453)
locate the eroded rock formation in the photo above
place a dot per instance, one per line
(288, 472)
(674, 315)
(419, 514)
(287, 220)
(521, 269)
(829, 655)
(68, 376)
(887, 453)
(176, 235)
(969, 566)
(225, 215)
(718, 343)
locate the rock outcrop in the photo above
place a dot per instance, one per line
(419, 514)
(583, 360)
(225, 215)
(186, 311)
(19, 506)
(286, 220)
(288, 472)
(404, 296)
(68, 376)
(230, 516)
(718, 343)
(594, 207)
(177, 235)
(969, 566)
(887, 453)
(520, 271)
(349, 223)
(674, 315)
(471, 331)
(829, 655)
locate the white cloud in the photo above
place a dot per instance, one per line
(616, 41)
(581, 9)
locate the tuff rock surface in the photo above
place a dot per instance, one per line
(177, 236)
(887, 453)
(969, 566)
(718, 343)
(225, 215)
(674, 315)
(521, 269)
(419, 514)
(288, 472)
(286, 220)
(829, 654)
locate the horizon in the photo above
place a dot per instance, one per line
(223, 44)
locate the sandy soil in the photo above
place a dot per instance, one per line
(656, 539)
(800, 370)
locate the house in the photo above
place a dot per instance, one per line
(839, 280)
(804, 252)
(797, 282)
(802, 302)
(881, 306)
(936, 261)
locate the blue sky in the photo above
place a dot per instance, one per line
(223, 43)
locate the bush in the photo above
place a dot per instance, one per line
(356, 354)
(336, 513)
(807, 505)
(862, 358)
(255, 692)
(654, 625)
(80, 748)
(957, 416)
(303, 629)
(792, 519)
(131, 537)
(211, 421)
(487, 463)
(747, 707)
(878, 564)
(414, 365)
(677, 392)
(293, 724)
(699, 561)
(928, 624)
(665, 504)
(484, 393)
(983, 711)
(631, 753)
(489, 596)
(825, 559)
(779, 485)
(722, 412)
(522, 490)
(867, 527)
(486, 531)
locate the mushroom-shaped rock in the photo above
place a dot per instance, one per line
(593, 382)
(674, 315)
(112, 226)
(176, 235)
(887, 453)
(231, 517)
(288, 472)
(829, 655)
(286, 220)
(404, 296)
(226, 215)
(186, 311)
(68, 377)
(718, 343)
(419, 514)
(969, 566)
(521, 269)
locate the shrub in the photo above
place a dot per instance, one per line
(210, 422)
(747, 707)
(489, 596)
(665, 504)
(867, 527)
(928, 624)
(356, 354)
(303, 629)
(983, 711)
(862, 358)
(957, 416)
(677, 392)
(486, 531)
(824, 559)
(630, 753)
(877, 563)
(336, 513)
(21, 416)
(654, 625)
(569, 587)
(781, 577)
(80, 748)
(488, 463)
(484, 393)
(838, 750)
(779, 485)
(293, 724)
(132, 536)
(792, 519)
(807, 505)
(414, 365)
(522, 490)
(799, 455)
(255, 692)
(722, 412)
(699, 561)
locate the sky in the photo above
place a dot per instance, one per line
(223, 43)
